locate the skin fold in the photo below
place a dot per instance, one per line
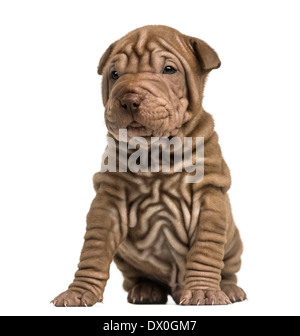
(167, 236)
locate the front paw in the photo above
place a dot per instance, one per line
(204, 297)
(75, 298)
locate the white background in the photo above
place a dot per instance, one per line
(52, 137)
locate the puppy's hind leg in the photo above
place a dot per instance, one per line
(148, 292)
(141, 290)
(232, 264)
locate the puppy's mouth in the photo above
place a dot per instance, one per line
(136, 129)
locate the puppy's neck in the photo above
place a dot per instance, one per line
(153, 155)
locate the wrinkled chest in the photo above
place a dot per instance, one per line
(162, 220)
(163, 211)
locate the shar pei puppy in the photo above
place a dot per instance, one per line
(168, 236)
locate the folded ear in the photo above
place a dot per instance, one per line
(105, 58)
(206, 55)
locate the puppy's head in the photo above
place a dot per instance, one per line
(153, 80)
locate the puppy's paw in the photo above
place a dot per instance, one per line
(235, 293)
(204, 297)
(148, 292)
(75, 298)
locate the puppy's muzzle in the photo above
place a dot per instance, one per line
(130, 102)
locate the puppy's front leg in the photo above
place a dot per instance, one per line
(205, 259)
(105, 232)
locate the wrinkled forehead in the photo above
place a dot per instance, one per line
(145, 54)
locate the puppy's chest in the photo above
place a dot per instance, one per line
(162, 211)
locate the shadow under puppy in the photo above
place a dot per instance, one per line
(167, 236)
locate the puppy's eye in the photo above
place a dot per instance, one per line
(114, 75)
(168, 70)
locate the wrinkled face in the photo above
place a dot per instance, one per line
(147, 92)
(153, 79)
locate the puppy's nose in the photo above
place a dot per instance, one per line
(131, 102)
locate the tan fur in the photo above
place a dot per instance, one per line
(166, 236)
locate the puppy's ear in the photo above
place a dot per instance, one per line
(206, 55)
(105, 58)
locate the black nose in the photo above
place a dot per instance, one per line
(131, 102)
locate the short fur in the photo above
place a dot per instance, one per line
(167, 237)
